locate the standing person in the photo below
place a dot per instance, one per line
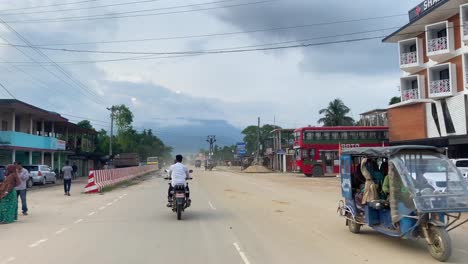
(21, 189)
(8, 199)
(75, 170)
(67, 177)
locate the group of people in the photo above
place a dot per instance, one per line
(13, 186)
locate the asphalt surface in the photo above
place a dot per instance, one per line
(235, 218)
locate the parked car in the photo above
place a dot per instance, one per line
(41, 174)
(462, 165)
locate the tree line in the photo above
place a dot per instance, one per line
(127, 139)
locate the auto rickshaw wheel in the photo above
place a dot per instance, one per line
(353, 226)
(441, 248)
(317, 171)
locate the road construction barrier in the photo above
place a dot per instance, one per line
(98, 179)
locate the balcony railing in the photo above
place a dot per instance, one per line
(465, 29)
(409, 94)
(437, 44)
(408, 58)
(440, 86)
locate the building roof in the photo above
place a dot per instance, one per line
(344, 128)
(24, 108)
(439, 11)
(375, 111)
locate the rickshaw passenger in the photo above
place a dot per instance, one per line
(370, 189)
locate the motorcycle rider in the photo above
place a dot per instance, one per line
(179, 173)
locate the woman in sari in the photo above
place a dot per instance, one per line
(8, 199)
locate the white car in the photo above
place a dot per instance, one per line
(41, 174)
(462, 165)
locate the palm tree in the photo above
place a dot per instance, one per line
(336, 114)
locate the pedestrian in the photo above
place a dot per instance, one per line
(67, 177)
(21, 189)
(8, 198)
(75, 170)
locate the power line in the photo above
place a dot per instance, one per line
(51, 5)
(8, 91)
(80, 84)
(116, 15)
(87, 118)
(79, 8)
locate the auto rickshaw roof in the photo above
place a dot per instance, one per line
(388, 151)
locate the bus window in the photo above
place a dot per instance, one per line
(363, 134)
(298, 154)
(297, 135)
(353, 135)
(305, 154)
(344, 135)
(372, 135)
(335, 135)
(326, 136)
(312, 153)
(318, 136)
(309, 136)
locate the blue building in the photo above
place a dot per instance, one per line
(33, 135)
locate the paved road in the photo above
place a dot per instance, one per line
(235, 218)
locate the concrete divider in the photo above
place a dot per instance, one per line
(98, 179)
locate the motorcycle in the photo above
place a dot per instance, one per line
(180, 194)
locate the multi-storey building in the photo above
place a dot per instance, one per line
(433, 57)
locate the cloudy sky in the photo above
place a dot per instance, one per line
(290, 85)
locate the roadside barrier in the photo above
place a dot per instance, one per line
(98, 179)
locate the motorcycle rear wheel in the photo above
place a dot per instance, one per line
(179, 212)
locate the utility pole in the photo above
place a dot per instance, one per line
(112, 109)
(258, 141)
(211, 140)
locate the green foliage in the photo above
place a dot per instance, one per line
(336, 114)
(128, 140)
(250, 136)
(123, 118)
(395, 100)
(85, 124)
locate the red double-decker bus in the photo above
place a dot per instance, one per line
(317, 148)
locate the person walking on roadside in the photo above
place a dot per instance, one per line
(8, 198)
(21, 189)
(75, 170)
(67, 177)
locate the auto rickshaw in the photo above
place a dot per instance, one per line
(409, 192)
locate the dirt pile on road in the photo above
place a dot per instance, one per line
(257, 169)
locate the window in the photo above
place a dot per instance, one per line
(309, 136)
(444, 74)
(372, 135)
(363, 134)
(326, 136)
(442, 33)
(353, 135)
(414, 84)
(305, 154)
(344, 135)
(318, 136)
(412, 48)
(312, 153)
(335, 135)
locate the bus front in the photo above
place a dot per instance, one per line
(304, 153)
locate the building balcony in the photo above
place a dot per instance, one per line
(464, 23)
(411, 94)
(440, 41)
(442, 81)
(28, 141)
(411, 57)
(412, 88)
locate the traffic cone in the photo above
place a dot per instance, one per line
(91, 187)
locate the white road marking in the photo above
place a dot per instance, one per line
(125, 194)
(121, 196)
(60, 231)
(78, 221)
(38, 243)
(211, 205)
(92, 213)
(9, 260)
(102, 208)
(109, 204)
(241, 253)
(462, 250)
